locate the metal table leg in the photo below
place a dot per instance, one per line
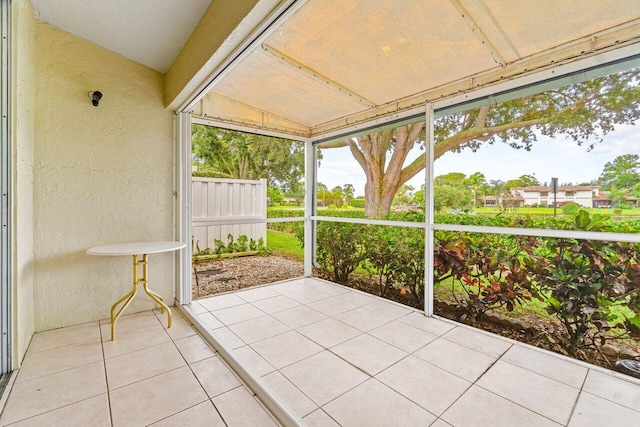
(144, 280)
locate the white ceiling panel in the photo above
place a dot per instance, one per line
(383, 50)
(336, 63)
(265, 83)
(151, 32)
(534, 26)
(333, 63)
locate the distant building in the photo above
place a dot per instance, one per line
(588, 196)
(543, 196)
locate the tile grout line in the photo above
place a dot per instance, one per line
(187, 364)
(516, 403)
(455, 325)
(370, 377)
(50, 410)
(491, 365)
(243, 383)
(472, 383)
(575, 404)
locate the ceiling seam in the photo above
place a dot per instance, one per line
(314, 75)
(288, 8)
(495, 22)
(576, 50)
(302, 127)
(479, 33)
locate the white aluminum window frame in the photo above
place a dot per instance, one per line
(552, 77)
(5, 180)
(182, 196)
(549, 79)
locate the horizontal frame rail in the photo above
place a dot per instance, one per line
(196, 223)
(542, 232)
(536, 232)
(370, 221)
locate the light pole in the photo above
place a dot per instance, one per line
(554, 188)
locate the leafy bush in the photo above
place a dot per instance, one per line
(489, 268)
(582, 280)
(570, 208)
(340, 248)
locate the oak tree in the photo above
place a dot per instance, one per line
(584, 112)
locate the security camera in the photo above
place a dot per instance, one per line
(95, 96)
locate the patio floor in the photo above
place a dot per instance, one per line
(334, 355)
(149, 375)
(342, 357)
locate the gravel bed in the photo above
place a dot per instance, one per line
(230, 274)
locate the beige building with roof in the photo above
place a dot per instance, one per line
(543, 196)
(588, 196)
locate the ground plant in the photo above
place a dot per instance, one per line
(240, 245)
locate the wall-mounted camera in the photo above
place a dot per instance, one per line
(95, 97)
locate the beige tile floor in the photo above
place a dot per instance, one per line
(341, 357)
(149, 375)
(333, 355)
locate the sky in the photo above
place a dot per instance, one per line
(559, 157)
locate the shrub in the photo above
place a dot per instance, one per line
(584, 279)
(570, 208)
(357, 203)
(340, 248)
(489, 268)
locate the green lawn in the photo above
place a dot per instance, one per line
(285, 244)
(287, 207)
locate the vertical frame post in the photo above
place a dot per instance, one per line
(5, 179)
(182, 206)
(309, 204)
(428, 213)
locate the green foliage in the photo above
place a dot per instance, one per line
(357, 203)
(274, 194)
(395, 255)
(585, 284)
(570, 208)
(285, 227)
(622, 173)
(522, 181)
(340, 248)
(225, 153)
(446, 197)
(585, 279)
(490, 269)
(243, 244)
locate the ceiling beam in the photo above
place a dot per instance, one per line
(282, 57)
(479, 33)
(257, 118)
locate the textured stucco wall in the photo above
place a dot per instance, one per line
(23, 106)
(101, 175)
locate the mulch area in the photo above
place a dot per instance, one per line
(230, 274)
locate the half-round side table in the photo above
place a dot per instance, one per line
(135, 249)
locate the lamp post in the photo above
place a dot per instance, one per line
(554, 188)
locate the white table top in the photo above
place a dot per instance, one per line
(136, 248)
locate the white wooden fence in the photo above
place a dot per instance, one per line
(215, 199)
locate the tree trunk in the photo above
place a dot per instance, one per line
(384, 178)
